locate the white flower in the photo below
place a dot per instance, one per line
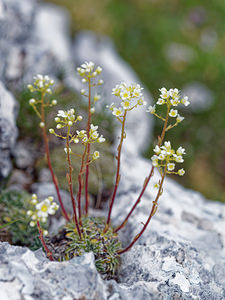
(126, 104)
(54, 102)
(174, 93)
(157, 150)
(160, 101)
(175, 101)
(98, 70)
(181, 172)
(62, 113)
(116, 90)
(180, 151)
(154, 159)
(179, 118)
(32, 224)
(100, 82)
(79, 118)
(96, 97)
(178, 158)
(51, 130)
(185, 101)
(101, 139)
(95, 155)
(32, 101)
(82, 92)
(164, 93)
(42, 124)
(173, 113)
(161, 156)
(45, 208)
(117, 111)
(170, 166)
(92, 110)
(151, 109)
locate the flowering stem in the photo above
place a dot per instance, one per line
(117, 172)
(54, 179)
(69, 178)
(148, 178)
(88, 147)
(41, 237)
(80, 183)
(153, 211)
(138, 200)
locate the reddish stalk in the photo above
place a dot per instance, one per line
(153, 211)
(117, 171)
(148, 178)
(88, 148)
(54, 179)
(69, 178)
(138, 200)
(41, 237)
(81, 183)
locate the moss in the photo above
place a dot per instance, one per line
(68, 244)
(13, 208)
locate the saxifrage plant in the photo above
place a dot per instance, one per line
(83, 233)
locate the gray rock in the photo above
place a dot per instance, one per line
(201, 97)
(28, 44)
(24, 156)
(8, 129)
(34, 277)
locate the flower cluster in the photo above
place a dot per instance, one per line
(165, 156)
(170, 98)
(65, 118)
(41, 210)
(93, 135)
(88, 71)
(42, 83)
(131, 96)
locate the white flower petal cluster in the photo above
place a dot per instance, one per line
(88, 70)
(170, 98)
(41, 83)
(65, 118)
(41, 209)
(131, 96)
(167, 157)
(93, 135)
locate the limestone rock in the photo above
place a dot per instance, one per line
(8, 129)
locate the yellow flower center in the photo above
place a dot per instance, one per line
(44, 208)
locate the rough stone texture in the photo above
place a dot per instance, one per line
(8, 130)
(25, 47)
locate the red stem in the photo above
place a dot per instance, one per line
(54, 179)
(41, 237)
(69, 178)
(88, 148)
(153, 210)
(148, 178)
(81, 184)
(138, 200)
(117, 172)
